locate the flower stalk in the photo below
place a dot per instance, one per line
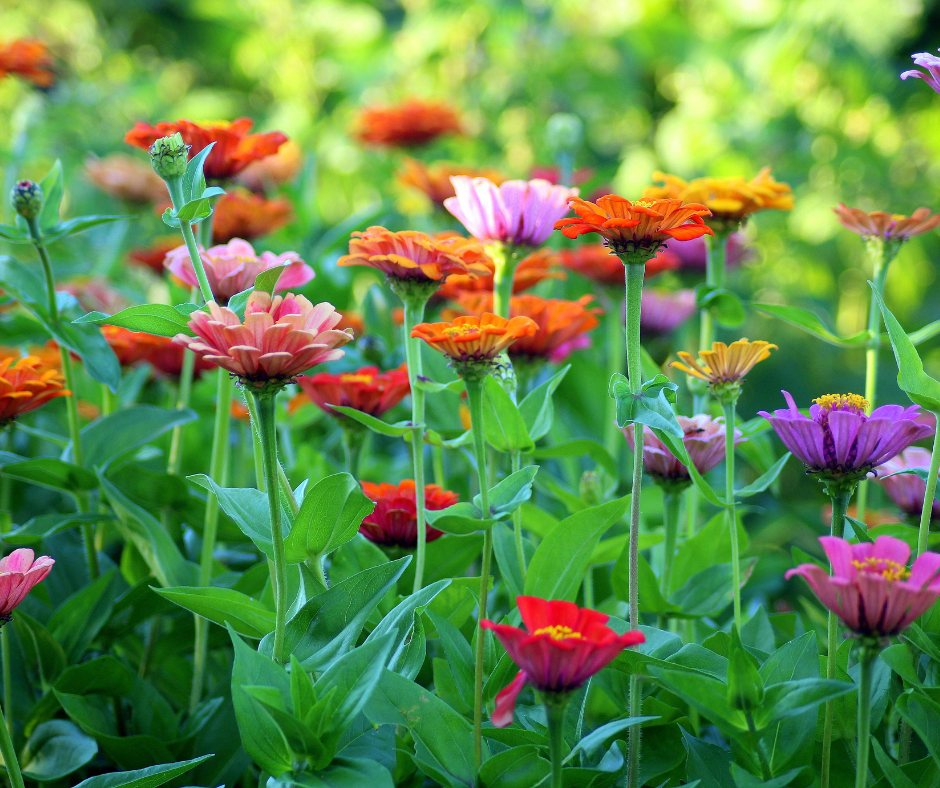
(8, 752)
(868, 652)
(672, 502)
(615, 362)
(927, 510)
(517, 522)
(555, 706)
(728, 409)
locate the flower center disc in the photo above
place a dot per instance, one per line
(559, 632)
(889, 570)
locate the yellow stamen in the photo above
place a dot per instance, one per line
(889, 570)
(850, 402)
(559, 632)
(351, 377)
(644, 203)
(461, 331)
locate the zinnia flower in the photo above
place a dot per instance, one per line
(131, 346)
(126, 178)
(886, 226)
(663, 311)
(871, 589)
(278, 168)
(931, 63)
(693, 256)
(724, 366)
(233, 267)
(153, 256)
(241, 214)
(562, 646)
(280, 338)
(166, 357)
(27, 384)
(533, 269)
(367, 389)
(20, 574)
(234, 147)
(599, 264)
(394, 522)
(635, 229)
(704, 439)
(409, 124)
(434, 179)
(27, 58)
(907, 490)
(515, 212)
(838, 441)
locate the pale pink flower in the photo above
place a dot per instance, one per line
(19, 573)
(517, 212)
(907, 490)
(932, 64)
(282, 336)
(233, 267)
(871, 589)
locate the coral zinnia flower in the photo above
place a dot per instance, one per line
(907, 490)
(241, 214)
(434, 179)
(278, 168)
(233, 267)
(887, 226)
(131, 346)
(154, 255)
(838, 441)
(704, 439)
(126, 178)
(20, 574)
(234, 147)
(871, 589)
(415, 256)
(564, 646)
(27, 384)
(29, 59)
(394, 522)
(409, 124)
(280, 338)
(635, 230)
(725, 365)
(470, 341)
(663, 311)
(367, 389)
(532, 270)
(932, 64)
(516, 212)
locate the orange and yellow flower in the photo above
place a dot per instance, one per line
(532, 270)
(475, 340)
(234, 147)
(131, 346)
(724, 364)
(27, 58)
(635, 230)
(434, 179)
(26, 384)
(241, 214)
(887, 226)
(409, 124)
(126, 178)
(367, 389)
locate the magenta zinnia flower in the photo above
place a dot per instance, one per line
(932, 64)
(280, 338)
(907, 490)
(233, 267)
(663, 311)
(19, 574)
(704, 439)
(517, 212)
(871, 589)
(838, 441)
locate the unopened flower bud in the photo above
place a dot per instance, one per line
(590, 489)
(169, 156)
(564, 132)
(27, 199)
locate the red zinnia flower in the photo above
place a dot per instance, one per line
(367, 389)
(409, 124)
(564, 646)
(19, 574)
(28, 58)
(394, 522)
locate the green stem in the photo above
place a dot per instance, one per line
(728, 409)
(175, 186)
(613, 439)
(7, 677)
(672, 501)
(109, 401)
(8, 751)
(354, 438)
(761, 755)
(517, 521)
(475, 401)
(175, 457)
(218, 472)
(555, 716)
(867, 656)
(506, 258)
(36, 236)
(437, 462)
(930, 492)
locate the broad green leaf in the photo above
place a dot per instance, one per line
(341, 773)
(38, 528)
(705, 693)
(374, 424)
(56, 749)
(809, 322)
(517, 767)
(77, 620)
(509, 493)
(77, 225)
(894, 774)
(403, 620)
(763, 482)
(224, 606)
(40, 647)
(705, 488)
(151, 777)
(725, 305)
(923, 715)
(194, 181)
(159, 319)
(87, 342)
(708, 764)
(267, 279)
(53, 190)
(53, 473)
(460, 519)
(503, 425)
(579, 448)
(537, 409)
(458, 653)
(791, 698)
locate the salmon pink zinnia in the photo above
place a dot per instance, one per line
(19, 574)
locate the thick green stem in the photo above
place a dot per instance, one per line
(867, 656)
(7, 677)
(613, 440)
(8, 751)
(517, 521)
(555, 716)
(927, 510)
(728, 410)
(109, 401)
(672, 501)
(475, 402)
(354, 437)
(506, 259)
(175, 186)
(175, 457)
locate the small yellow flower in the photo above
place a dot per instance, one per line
(724, 366)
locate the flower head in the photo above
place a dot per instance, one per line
(241, 214)
(26, 384)
(367, 389)
(282, 167)
(131, 346)
(635, 230)
(516, 212)
(27, 58)
(561, 647)
(281, 337)
(663, 311)
(27, 198)
(233, 267)
(724, 366)
(20, 572)
(407, 125)
(533, 269)
(838, 441)
(871, 588)
(234, 147)
(126, 178)
(886, 226)
(394, 522)
(931, 63)
(907, 490)
(434, 179)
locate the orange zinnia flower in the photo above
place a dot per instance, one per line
(532, 270)
(126, 178)
(234, 147)
(635, 230)
(367, 389)
(26, 384)
(281, 167)
(731, 200)
(887, 226)
(409, 124)
(131, 346)
(241, 214)
(434, 179)
(597, 263)
(29, 59)
(353, 321)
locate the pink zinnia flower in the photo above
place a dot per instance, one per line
(517, 212)
(871, 589)
(932, 64)
(663, 310)
(19, 574)
(564, 646)
(280, 337)
(907, 490)
(233, 267)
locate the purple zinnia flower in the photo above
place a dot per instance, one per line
(517, 212)
(663, 310)
(839, 441)
(907, 490)
(932, 64)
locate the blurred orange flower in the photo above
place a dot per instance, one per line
(532, 270)
(413, 122)
(126, 178)
(597, 263)
(234, 147)
(26, 384)
(154, 255)
(131, 346)
(434, 179)
(28, 58)
(367, 389)
(354, 322)
(241, 214)
(887, 226)
(166, 357)
(471, 339)
(274, 170)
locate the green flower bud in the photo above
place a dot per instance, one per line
(590, 489)
(745, 686)
(564, 132)
(169, 156)
(27, 199)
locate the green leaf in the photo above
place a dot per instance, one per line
(725, 305)
(56, 749)
(194, 181)
(267, 279)
(580, 448)
(791, 698)
(503, 425)
(537, 409)
(707, 763)
(460, 519)
(705, 488)
(151, 777)
(705, 693)
(53, 190)
(458, 653)
(248, 508)
(764, 481)
(517, 767)
(510, 493)
(53, 473)
(894, 774)
(809, 322)
(160, 320)
(39, 646)
(562, 557)
(77, 225)
(78, 620)
(225, 607)
(923, 715)
(374, 424)
(402, 621)
(38, 528)
(26, 286)
(917, 337)
(88, 343)
(652, 406)
(14, 234)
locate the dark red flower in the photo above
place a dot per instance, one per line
(367, 389)
(394, 523)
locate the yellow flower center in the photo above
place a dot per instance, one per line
(559, 632)
(889, 570)
(644, 203)
(852, 403)
(461, 331)
(351, 377)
